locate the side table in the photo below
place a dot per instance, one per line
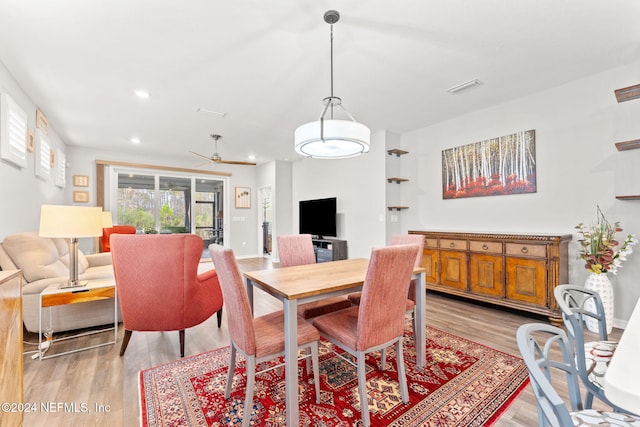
(93, 290)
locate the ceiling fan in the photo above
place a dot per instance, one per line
(215, 157)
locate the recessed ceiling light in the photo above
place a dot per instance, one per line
(142, 94)
(135, 140)
(252, 157)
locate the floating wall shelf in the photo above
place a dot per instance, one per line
(397, 180)
(397, 152)
(628, 93)
(628, 197)
(628, 145)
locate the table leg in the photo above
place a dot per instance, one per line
(249, 287)
(421, 324)
(40, 327)
(291, 361)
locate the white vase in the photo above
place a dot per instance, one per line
(601, 284)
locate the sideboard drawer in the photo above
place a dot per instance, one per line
(460, 245)
(430, 242)
(525, 249)
(485, 247)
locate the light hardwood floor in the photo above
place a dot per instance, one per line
(100, 377)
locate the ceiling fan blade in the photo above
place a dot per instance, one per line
(233, 162)
(200, 155)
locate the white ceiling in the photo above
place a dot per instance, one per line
(266, 64)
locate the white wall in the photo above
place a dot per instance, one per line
(358, 183)
(21, 192)
(576, 127)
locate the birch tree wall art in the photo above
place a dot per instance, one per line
(497, 166)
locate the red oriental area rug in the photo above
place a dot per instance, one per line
(464, 384)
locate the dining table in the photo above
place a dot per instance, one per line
(622, 379)
(311, 282)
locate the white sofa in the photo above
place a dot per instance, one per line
(44, 262)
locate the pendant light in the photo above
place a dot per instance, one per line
(328, 138)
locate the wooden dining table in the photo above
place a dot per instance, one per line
(311, 282)
(622, 379)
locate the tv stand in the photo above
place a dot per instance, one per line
(329, 249)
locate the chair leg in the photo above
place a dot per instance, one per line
(248, 400)
(362, 389)
(402, 376)
(383, 358)
(316, 368)
(232, 367)
(219, 313)
(181, 333)
(125, 341)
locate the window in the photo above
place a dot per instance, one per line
(43, 155)
(60, 168)
(13, 128)
(136, 201)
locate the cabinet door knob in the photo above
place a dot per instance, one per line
(452, 245)
(524, 250)
(485, 247)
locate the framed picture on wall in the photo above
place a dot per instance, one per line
(80, 180)
(81, 197)
(243, 197)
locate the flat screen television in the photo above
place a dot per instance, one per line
(318, 217)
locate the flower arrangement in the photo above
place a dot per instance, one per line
(598, 245)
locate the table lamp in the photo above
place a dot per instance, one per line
(70, 222)
(107, 221)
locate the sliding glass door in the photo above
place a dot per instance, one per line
(164, 203)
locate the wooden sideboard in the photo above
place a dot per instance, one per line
(518, 271)
(11, 385)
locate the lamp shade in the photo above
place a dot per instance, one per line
(340, 139)
(107, 221)
(70, 221)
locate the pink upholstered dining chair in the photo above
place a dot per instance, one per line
(402, 239)
(365, 328)
(297, 249)
(159, 288)
(258, 339)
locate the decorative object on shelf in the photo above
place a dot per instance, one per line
(81, 197)
(42, 122)
(80, 180)
(330, 138)
(628, 93)
(598, 245)
(243, 197)
(497, 166)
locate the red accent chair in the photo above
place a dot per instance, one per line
(297, 249)
(378, 321)
(159, 288)
(116, 229)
